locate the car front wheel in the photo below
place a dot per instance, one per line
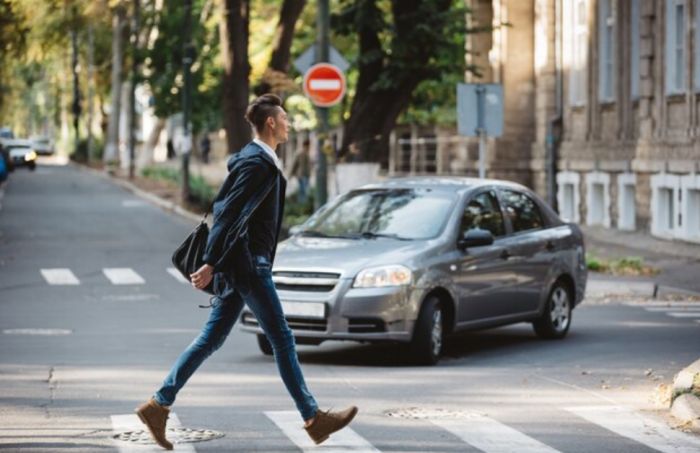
(556, 318)
(428, 334)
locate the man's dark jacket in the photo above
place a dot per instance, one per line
(252, 176)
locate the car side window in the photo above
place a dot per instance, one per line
(483, 212)
(523, 212)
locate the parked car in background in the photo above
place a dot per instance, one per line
(21, 153)
(6, 133)
(413, 260)
(43, 146)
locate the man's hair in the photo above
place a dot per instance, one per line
(261, 109)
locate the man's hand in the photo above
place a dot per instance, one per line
(203, 276)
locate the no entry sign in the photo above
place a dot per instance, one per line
(324, 84)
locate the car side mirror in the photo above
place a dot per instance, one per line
(475, 238)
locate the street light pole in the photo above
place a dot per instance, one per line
(322, 54)
(187, 57)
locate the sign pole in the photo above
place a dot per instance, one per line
(322, 55)
(480, 131)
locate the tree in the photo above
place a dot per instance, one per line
(402, 43)
(276, 75)
(236, 85)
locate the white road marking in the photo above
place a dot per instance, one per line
(131, 422)
(123, 276)
(345, 440)
(59, 277)
(133, 203)
(669, 304)
(630, 424)
(664, 309)
(677, 314)
(491, 436)
(178, 276)
(49, 332)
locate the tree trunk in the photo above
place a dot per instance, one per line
(282, 43)
(112, 146)
(147, 151)
(234, 31)
(375, 109)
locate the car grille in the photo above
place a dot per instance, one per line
(319, 282)
(295, 323)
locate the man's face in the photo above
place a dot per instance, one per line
(280, 126)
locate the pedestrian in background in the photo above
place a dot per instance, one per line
(205, 145)
(301, 170)
(238, 262)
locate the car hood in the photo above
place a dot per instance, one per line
(349, 256)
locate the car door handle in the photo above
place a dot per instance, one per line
(549, 246)
(505, 254)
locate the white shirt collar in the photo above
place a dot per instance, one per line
(269, 151)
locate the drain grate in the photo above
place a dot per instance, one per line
(174, 435)
(420, 413)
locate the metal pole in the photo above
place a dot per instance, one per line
(322, 55)
(76, 89)
(132, 88)
(481, 131)
(186, 64)
(91, 91)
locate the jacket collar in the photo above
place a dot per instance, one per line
(265, 154)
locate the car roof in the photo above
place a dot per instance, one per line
(443, 183)
(18, 143)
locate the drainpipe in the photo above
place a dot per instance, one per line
(555, 123)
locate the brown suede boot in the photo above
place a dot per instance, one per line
(155, 417)
(326, 423)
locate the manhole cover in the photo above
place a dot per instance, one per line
(174, 435)
(418, 413)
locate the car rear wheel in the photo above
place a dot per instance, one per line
(428, 334)
(556, 318)
(264, 345)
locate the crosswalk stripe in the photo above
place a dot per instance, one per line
(628, 423)
(491, 436)
(345, 440)
(59, 276)
(131, 422)
(178, 276)
(677, 314)
(665, 309)
(123, 276)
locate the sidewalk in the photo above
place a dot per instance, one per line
(678, 262)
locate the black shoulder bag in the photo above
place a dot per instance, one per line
(189, 256)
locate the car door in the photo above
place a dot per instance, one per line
(531, 249)
(481, 274)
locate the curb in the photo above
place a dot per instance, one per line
(596, 287)
(685, 398)
(154, 199)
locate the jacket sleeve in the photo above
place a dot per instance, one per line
(250, 177)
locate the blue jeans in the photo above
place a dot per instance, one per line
(265, 304)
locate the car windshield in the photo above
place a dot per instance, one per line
(403, 214)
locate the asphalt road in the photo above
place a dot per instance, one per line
(78, 355)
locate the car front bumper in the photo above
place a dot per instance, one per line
(359, 314)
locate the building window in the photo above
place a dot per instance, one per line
(568, 196)
(690, 207)
(634, 50)
(579, 45)
(626, 208)
(675, 46)
(665, 221)
(598, 199)
(606, 50)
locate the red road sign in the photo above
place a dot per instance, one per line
(324, 84)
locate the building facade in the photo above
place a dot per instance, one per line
(607, 93)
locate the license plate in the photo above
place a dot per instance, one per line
(305, 309)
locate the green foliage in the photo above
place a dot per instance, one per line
(296, 213)
(162, 174)
(201, 192)
(162, 63)
(629, 265)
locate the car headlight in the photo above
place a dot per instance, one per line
(30, 156)
(383, 276)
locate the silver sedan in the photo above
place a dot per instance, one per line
(413, 260)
